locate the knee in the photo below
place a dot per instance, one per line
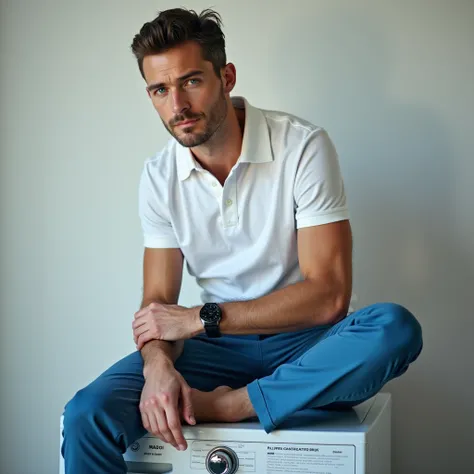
(402, 329)
(83, 410)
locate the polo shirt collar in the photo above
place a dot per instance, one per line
(256, 147)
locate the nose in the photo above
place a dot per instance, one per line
(179, 101)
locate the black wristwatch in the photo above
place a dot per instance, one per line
(211, 315)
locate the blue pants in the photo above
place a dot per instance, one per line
(331, 366)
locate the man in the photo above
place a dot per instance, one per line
(254, 201)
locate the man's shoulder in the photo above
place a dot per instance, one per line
(283, 121)
(163, 161)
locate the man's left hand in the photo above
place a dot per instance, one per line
(165, 322)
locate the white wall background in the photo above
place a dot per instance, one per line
(393, 83)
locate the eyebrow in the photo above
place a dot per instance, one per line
(196, 72)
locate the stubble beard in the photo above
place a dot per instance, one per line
(217, 115)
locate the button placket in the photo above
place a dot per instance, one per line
(229, 202)
(216, 188)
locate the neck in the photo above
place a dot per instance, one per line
(219, 154)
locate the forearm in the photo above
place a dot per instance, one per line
(159, 352)
(299, 306)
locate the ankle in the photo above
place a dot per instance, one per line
(223, 407)
(234, 406)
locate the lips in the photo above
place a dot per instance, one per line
(187, 122)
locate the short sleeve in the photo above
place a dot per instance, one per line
(153, 211)
(319, 188)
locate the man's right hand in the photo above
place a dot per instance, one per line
(166, 396)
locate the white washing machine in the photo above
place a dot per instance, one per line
(356, 441)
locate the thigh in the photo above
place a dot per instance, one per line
(112, 401)
(123, 380)
(207, 363)
(285, 348)
(288, 347)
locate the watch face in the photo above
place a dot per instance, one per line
(211, 313)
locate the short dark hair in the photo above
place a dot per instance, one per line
(178, 25)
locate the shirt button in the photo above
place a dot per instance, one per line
(214, 184)
(228, 202)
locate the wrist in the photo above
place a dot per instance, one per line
(196, 323)
(211, 316)
(158, 364)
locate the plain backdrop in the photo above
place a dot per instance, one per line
(391, 81)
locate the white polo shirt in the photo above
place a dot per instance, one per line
(239, 240)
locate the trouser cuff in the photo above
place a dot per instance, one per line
(260, 405)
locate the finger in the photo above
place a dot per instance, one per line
(174, 424)
(165, 429)
(145, 420)
(143, 335)
(187, 408)
(154, 431)
(151, 407)
(142, 312)
(138, 322)
(139, 331)
(142, 340)
(148, 426)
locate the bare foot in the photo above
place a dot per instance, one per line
(210, 406)
(223, 404)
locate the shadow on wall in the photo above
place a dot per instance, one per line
(398, 166)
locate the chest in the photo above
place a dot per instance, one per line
(254, 207)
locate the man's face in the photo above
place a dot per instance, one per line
(186, 93)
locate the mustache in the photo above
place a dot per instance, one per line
(182, 118)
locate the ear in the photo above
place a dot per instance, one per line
(229, 77)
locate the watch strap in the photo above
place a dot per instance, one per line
(212, 330)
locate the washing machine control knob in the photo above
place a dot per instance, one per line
(222, 460)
